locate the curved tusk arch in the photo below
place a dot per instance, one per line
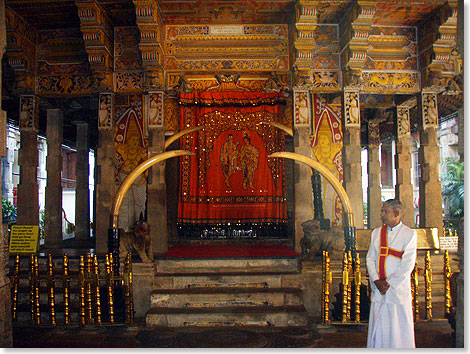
(284, 128)
(331, 178)
(136, 172)
(178, 135)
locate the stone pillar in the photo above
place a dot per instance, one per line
(156, 187)
(461, 133)
(352, 175)
(27, 192)
(374, 190)
(82, 190)
(302, 173)
(430, 191)
(5, 309)
(105, 171)
(53, 209)
(404, 187)
(460, 313)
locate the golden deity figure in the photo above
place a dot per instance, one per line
(249, 161)
(228, 159)
(326, 151)
(133, 152)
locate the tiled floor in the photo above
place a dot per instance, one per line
(433, 334)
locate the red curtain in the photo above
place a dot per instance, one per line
(230, 179)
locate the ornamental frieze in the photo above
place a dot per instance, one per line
(224, 32)
(65, 84)
(129, 81)
(407, 64)
(390, 82)
(325, 62)
(279, 63)
(326, 81)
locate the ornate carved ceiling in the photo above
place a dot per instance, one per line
(54, 14)
(63, 14)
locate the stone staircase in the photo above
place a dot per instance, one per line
(227, 292)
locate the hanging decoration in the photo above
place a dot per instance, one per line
(230, 188)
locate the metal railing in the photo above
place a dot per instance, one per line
(84, 292)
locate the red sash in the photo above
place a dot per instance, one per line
(385, 251)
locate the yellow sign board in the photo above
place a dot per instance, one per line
(24, 238)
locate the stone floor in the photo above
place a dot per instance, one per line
(431, 334)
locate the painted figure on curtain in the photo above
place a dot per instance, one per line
(327, 144)
(131, 149)
(228, 159)
(249, 161)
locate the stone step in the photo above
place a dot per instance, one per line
(227, 265)
(268, 316)
(223, 297)
(212, 280)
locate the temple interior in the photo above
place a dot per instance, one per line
(201, 173)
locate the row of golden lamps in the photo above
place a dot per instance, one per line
(350, 273)
(88, 279)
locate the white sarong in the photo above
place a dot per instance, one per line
(388, 324)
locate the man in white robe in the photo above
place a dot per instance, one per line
(390, 261)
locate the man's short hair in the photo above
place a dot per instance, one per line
(395, 204)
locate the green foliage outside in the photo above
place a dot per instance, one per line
(453, 187)
(8, 212)
(41, 224)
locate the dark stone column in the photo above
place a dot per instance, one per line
(374, 190)
(53, 210)
(5, 310)
(156, 194)
(105, 186)
(27, 192)
(302, 173)
(352, 175)
(430, 191)
(82, 191)
(156, 186)
(404, 187)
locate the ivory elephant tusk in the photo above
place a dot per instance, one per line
(335, 183)
(178, 135)
(280, 126)
(136, 172)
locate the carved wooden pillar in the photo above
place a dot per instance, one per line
(27, 192)
(352, 177)
(430, 191)
(82, 191)
(374, 190)
(53, 207)
(302, 173)
(105, 171)
(404, 187)
(156, 187)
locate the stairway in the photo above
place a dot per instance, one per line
(215, 292)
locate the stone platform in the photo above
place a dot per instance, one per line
(244, 291)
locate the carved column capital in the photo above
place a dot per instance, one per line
(98, 34)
